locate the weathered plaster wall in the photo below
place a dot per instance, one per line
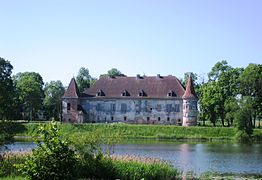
(151, 111)
(189, 112)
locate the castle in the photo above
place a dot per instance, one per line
(141, 99)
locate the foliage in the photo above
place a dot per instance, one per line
(113, 73)
(30, 90)
(231, 108)
(53, 159)
(244, 116)
(7, 90)
(250, 86)
(186, 76)
(209, 100)
(7, 131)
(84, 79)
(52, 103)
(216, 95)
(7, 161)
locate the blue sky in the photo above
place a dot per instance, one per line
(57, 37)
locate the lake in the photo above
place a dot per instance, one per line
(196, 157)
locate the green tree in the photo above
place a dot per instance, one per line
(231, 108)
(52, 102)
(251, 86)
(186, 76)
(30, 90)
(52, 159)
(209, 100)
(7, 90)
(84, 79)
(227, 86)
(244, 116)
(113, 73)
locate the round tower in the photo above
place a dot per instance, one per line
(189, 105)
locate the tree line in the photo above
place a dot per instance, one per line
(26, 96)
(227, 96)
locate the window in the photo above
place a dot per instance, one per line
(177, 108)
(68, 106)
(112, 118)
(168, 107)
(100, 93)
(142, 93)
(158, 107)
(125, 93)
(125, 118)
(98, 107)
(148, 118)
(113, 107)
(123, 108)
(168, 118)
(159, 118)
(171, 94)
(79, 107)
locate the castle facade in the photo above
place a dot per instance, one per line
(141, 99)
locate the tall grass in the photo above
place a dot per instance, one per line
(7, 161)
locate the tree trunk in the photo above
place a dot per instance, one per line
(254, 120)
(223, 119)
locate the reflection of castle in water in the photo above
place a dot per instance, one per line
(140, 99)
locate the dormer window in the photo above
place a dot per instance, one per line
(125, 93)
(171, 94)
(142, 93)
(100, 93)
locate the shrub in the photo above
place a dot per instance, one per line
(53, 159)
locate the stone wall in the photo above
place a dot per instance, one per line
(71, 114)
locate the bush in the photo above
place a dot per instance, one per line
(242, 136)
(53, 159)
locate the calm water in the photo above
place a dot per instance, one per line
(237, 158)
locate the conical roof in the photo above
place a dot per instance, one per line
(72, 90)
(190, 92)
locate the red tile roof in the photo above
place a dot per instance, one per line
(190, 92)
(72, 90)
(153, 87)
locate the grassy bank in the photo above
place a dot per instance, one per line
(133, 131)
(99, 168)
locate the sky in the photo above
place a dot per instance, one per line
(57, 37)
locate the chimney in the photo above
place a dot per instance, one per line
(138, 76)
(158, 76)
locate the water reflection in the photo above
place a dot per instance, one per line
(237, 158)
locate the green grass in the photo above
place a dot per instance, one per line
(144, 131)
